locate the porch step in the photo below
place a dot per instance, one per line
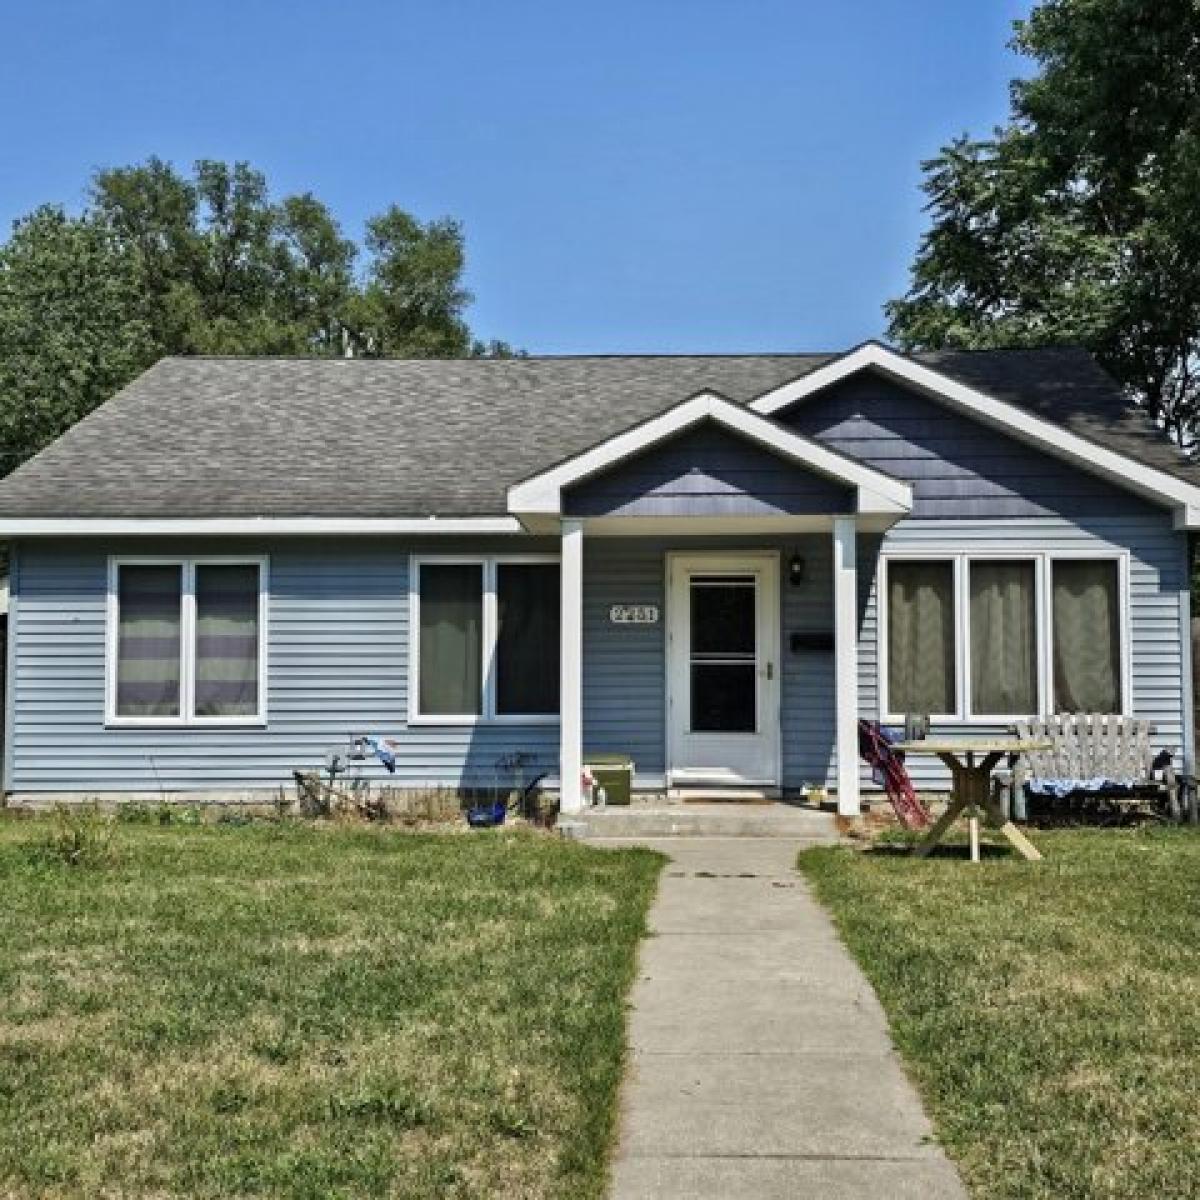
(702, 820)
(722, 795)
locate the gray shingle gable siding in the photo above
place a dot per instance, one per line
(958, 468)
(707, 471)
(229, 437)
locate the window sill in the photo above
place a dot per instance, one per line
(257, 722)
(469, 722)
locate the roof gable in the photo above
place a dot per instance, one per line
(1150, 481)
(875, 493)
(708, 471)
(958, 467)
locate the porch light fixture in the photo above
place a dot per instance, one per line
(795, 570)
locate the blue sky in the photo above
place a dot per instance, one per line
(633, 175)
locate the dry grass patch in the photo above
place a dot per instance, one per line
(277, 1010)
(1049, 1012)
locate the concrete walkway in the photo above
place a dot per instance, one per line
(760, 1059)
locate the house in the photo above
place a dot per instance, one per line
(713, 564)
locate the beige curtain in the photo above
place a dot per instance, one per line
(920, 637)
(1086, 637)
(1003, 639)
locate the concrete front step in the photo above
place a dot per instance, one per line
(702, 820)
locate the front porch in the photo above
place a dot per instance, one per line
(741, 671)
(724, 509)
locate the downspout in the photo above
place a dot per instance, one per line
(10, 667)
(1188, 666)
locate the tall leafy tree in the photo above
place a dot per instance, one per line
(413, 301)
(208, 263)
(1079, 220)
(73, 327)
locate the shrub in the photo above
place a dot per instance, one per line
(79, 837)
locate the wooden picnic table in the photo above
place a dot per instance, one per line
(971, 761)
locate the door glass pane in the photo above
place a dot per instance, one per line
(1087, 637)
(527, 638)
(148, 641)
(1003, 638)
(920, 637)
(451, 641)
(723, 697)
(227, 640)
(723, 654)
(722, 614)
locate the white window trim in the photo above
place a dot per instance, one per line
(1043, 561)
(187, 564)
(488, 564)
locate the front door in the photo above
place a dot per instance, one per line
(723, 669)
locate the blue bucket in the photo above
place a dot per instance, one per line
(484, 816)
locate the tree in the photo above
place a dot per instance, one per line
(73, 327)
(161, 263)
(413, 301)
(1078, 220)
(227, 271)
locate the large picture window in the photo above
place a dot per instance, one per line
(186, 641)
(487, 639)
(991, 637)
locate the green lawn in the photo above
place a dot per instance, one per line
(1048, 1012)
(294, 1011)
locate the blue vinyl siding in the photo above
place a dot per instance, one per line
(337, 664)
(338, 659)
(958, 467)
(707, 471)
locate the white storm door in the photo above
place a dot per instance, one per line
(723, 669)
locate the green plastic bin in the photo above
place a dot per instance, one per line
(613, 773)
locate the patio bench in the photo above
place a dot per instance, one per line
(1094, 758)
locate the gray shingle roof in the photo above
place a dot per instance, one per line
(349, 437)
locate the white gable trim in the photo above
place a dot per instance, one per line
(1156, 485)
(877, 493)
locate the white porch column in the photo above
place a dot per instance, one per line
(845, 658)
(570, 755)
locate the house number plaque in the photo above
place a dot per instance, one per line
(633, 614)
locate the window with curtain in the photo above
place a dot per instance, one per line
(1087, 636)
(920, 637)
(149, 640)
(1003, 600)
(451, 639)
(227, 640)
(527, 639)
(188, 641)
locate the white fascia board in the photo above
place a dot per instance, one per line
(12, 527)
(1055, 439)
(876, 492)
